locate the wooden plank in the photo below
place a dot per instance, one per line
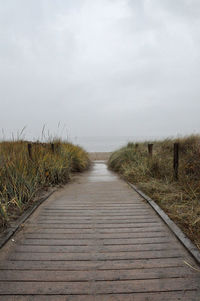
(164, 296)
(100, 231)
(116, 204)
(151, 285)
(99, 217)
(86, 242)
(100, 211)
(105, 208)
(137, 240)
(108, 222)
(45, 288)
(96, 256)
(47, 298)
(133, 229)
(53, 225)
(94, 235)
(112, 248)
(65, 276)
(99, 214)
(88, 265)
(98, 221)
(158, 296)
(101, 287)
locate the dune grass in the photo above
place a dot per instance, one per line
(179, 199)
(22, 177)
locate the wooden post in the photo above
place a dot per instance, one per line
(52, 148)
(176, 160)
(150, 149)
(30, 151)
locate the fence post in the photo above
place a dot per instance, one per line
(136, 146)
(150, 149)
(176, 160)
(52, 148)
(30, 151)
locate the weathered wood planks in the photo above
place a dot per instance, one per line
(96, 241)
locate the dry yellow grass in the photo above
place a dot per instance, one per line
(22, 177)
(179, 199)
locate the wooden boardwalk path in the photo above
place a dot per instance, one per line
(96, 240)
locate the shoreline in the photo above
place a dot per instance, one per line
(99, 155)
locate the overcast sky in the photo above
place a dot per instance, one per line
(100, 67)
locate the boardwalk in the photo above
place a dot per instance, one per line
(96, 240)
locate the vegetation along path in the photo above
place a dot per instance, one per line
(96, 239)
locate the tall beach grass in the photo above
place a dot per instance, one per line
(22, 176)
(154, 175)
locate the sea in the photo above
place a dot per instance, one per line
(105, 144)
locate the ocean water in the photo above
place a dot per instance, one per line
(104, 144)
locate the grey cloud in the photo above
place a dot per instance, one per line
(100, 67)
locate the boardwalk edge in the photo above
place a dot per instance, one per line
(12, 229)
(188, 244)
